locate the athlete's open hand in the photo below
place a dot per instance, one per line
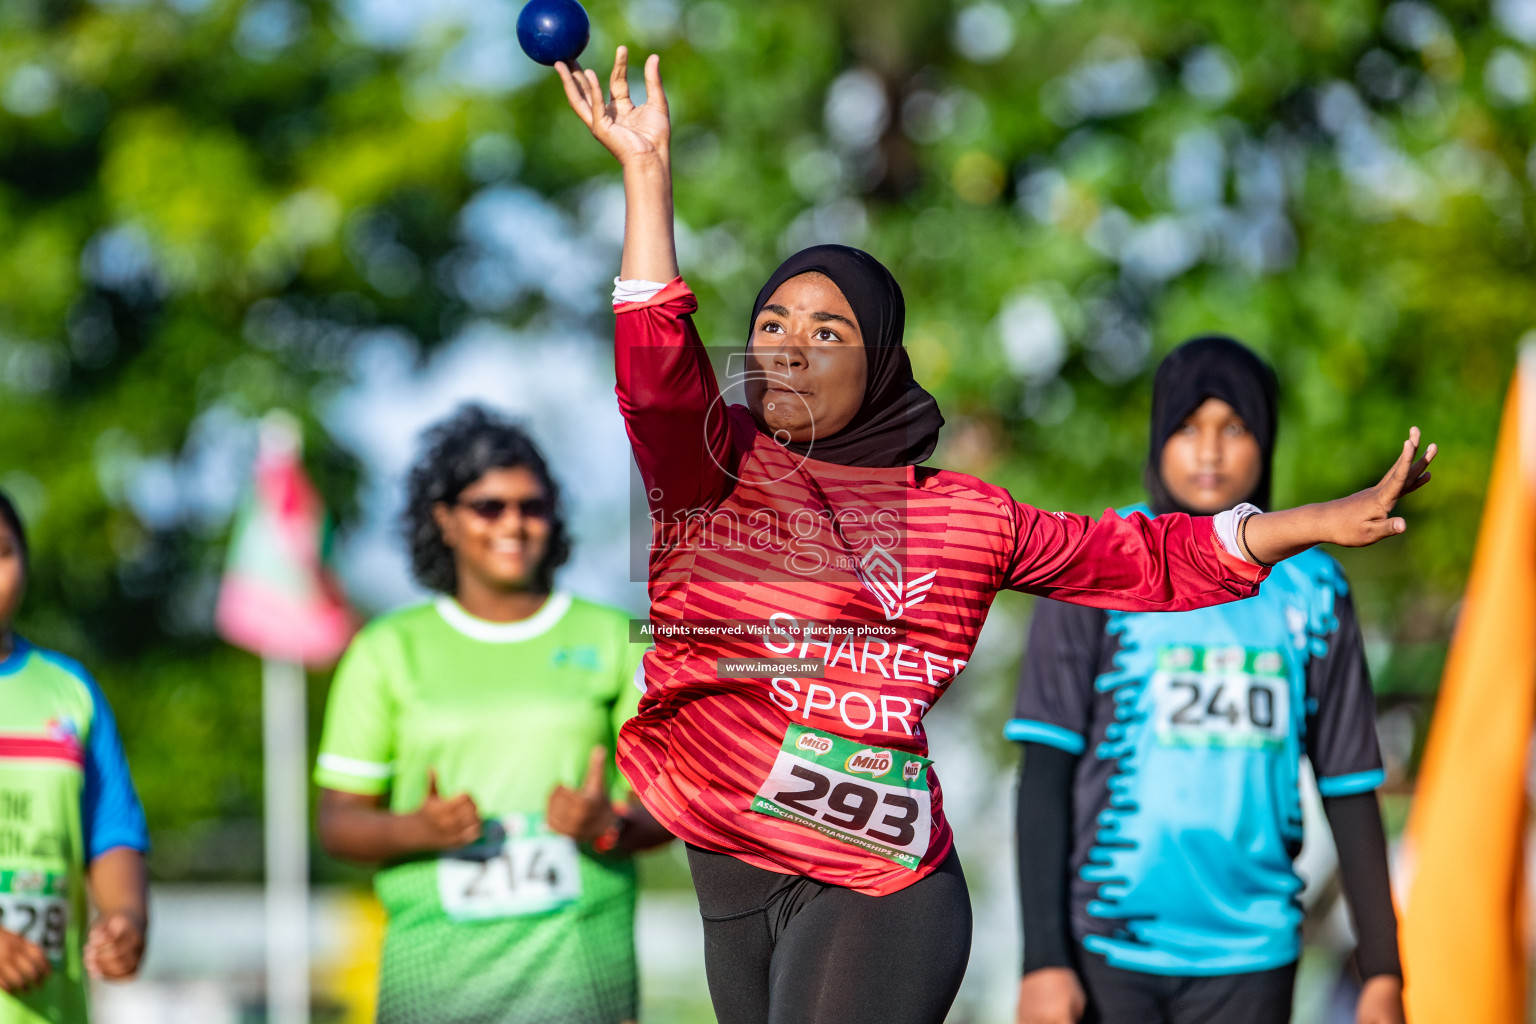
(625, 130)
(444, 824)
(115, 947)
(23, 964)
(1361, 519)
(1381, 1001)
(1051, 995)
(1366, 517)
(584, 814)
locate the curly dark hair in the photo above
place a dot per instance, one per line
(455, 453)
(10, 517)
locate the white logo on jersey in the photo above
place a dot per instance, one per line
(1296, 619)
(882, 576)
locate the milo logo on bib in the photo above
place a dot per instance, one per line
(814, 743)
(869, 797)
(873, 763)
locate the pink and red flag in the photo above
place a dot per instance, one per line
(277, 598)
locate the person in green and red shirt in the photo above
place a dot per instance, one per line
(70, 823)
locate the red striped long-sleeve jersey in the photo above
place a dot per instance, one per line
(826, 775)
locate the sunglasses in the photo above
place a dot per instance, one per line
(492, 509)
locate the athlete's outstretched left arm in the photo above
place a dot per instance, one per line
(1131, 563)
(1356, 521)
(1176, 562)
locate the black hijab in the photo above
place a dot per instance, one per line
(898, 422)
(1212, 366)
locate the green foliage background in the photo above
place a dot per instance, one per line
(200, 210)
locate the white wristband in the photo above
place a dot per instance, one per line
(634, 291)
(1226, 528)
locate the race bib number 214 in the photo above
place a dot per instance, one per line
(871, 797)
(518, 868)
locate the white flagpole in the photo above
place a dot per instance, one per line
(287, 840)
(285, 751)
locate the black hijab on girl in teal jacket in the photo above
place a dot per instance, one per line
(1211, 366)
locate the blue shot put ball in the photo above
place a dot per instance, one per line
(553, 30)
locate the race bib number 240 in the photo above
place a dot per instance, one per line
(871, 797)
(1221, 697)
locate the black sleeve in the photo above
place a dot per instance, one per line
(1362, 845)
(1056, 679)
(1043, 834)
(1341, 733)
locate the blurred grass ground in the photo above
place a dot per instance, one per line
(204, 963)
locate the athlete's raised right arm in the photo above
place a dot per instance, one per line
(666, 386)
(640, 139)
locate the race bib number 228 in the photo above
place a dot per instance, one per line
(871, 797)
(35, 905)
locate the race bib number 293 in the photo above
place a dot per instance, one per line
(871, 797)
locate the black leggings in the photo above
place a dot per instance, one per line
(1117, 996)
(785, 949)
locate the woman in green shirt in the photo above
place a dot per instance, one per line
(468, 747)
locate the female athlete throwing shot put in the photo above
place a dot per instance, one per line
(825, 870)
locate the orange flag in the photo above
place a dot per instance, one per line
(1464, 941)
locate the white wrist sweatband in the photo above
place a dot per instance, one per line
(634, 291)
(1226, 528)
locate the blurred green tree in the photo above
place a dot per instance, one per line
(205, 205)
